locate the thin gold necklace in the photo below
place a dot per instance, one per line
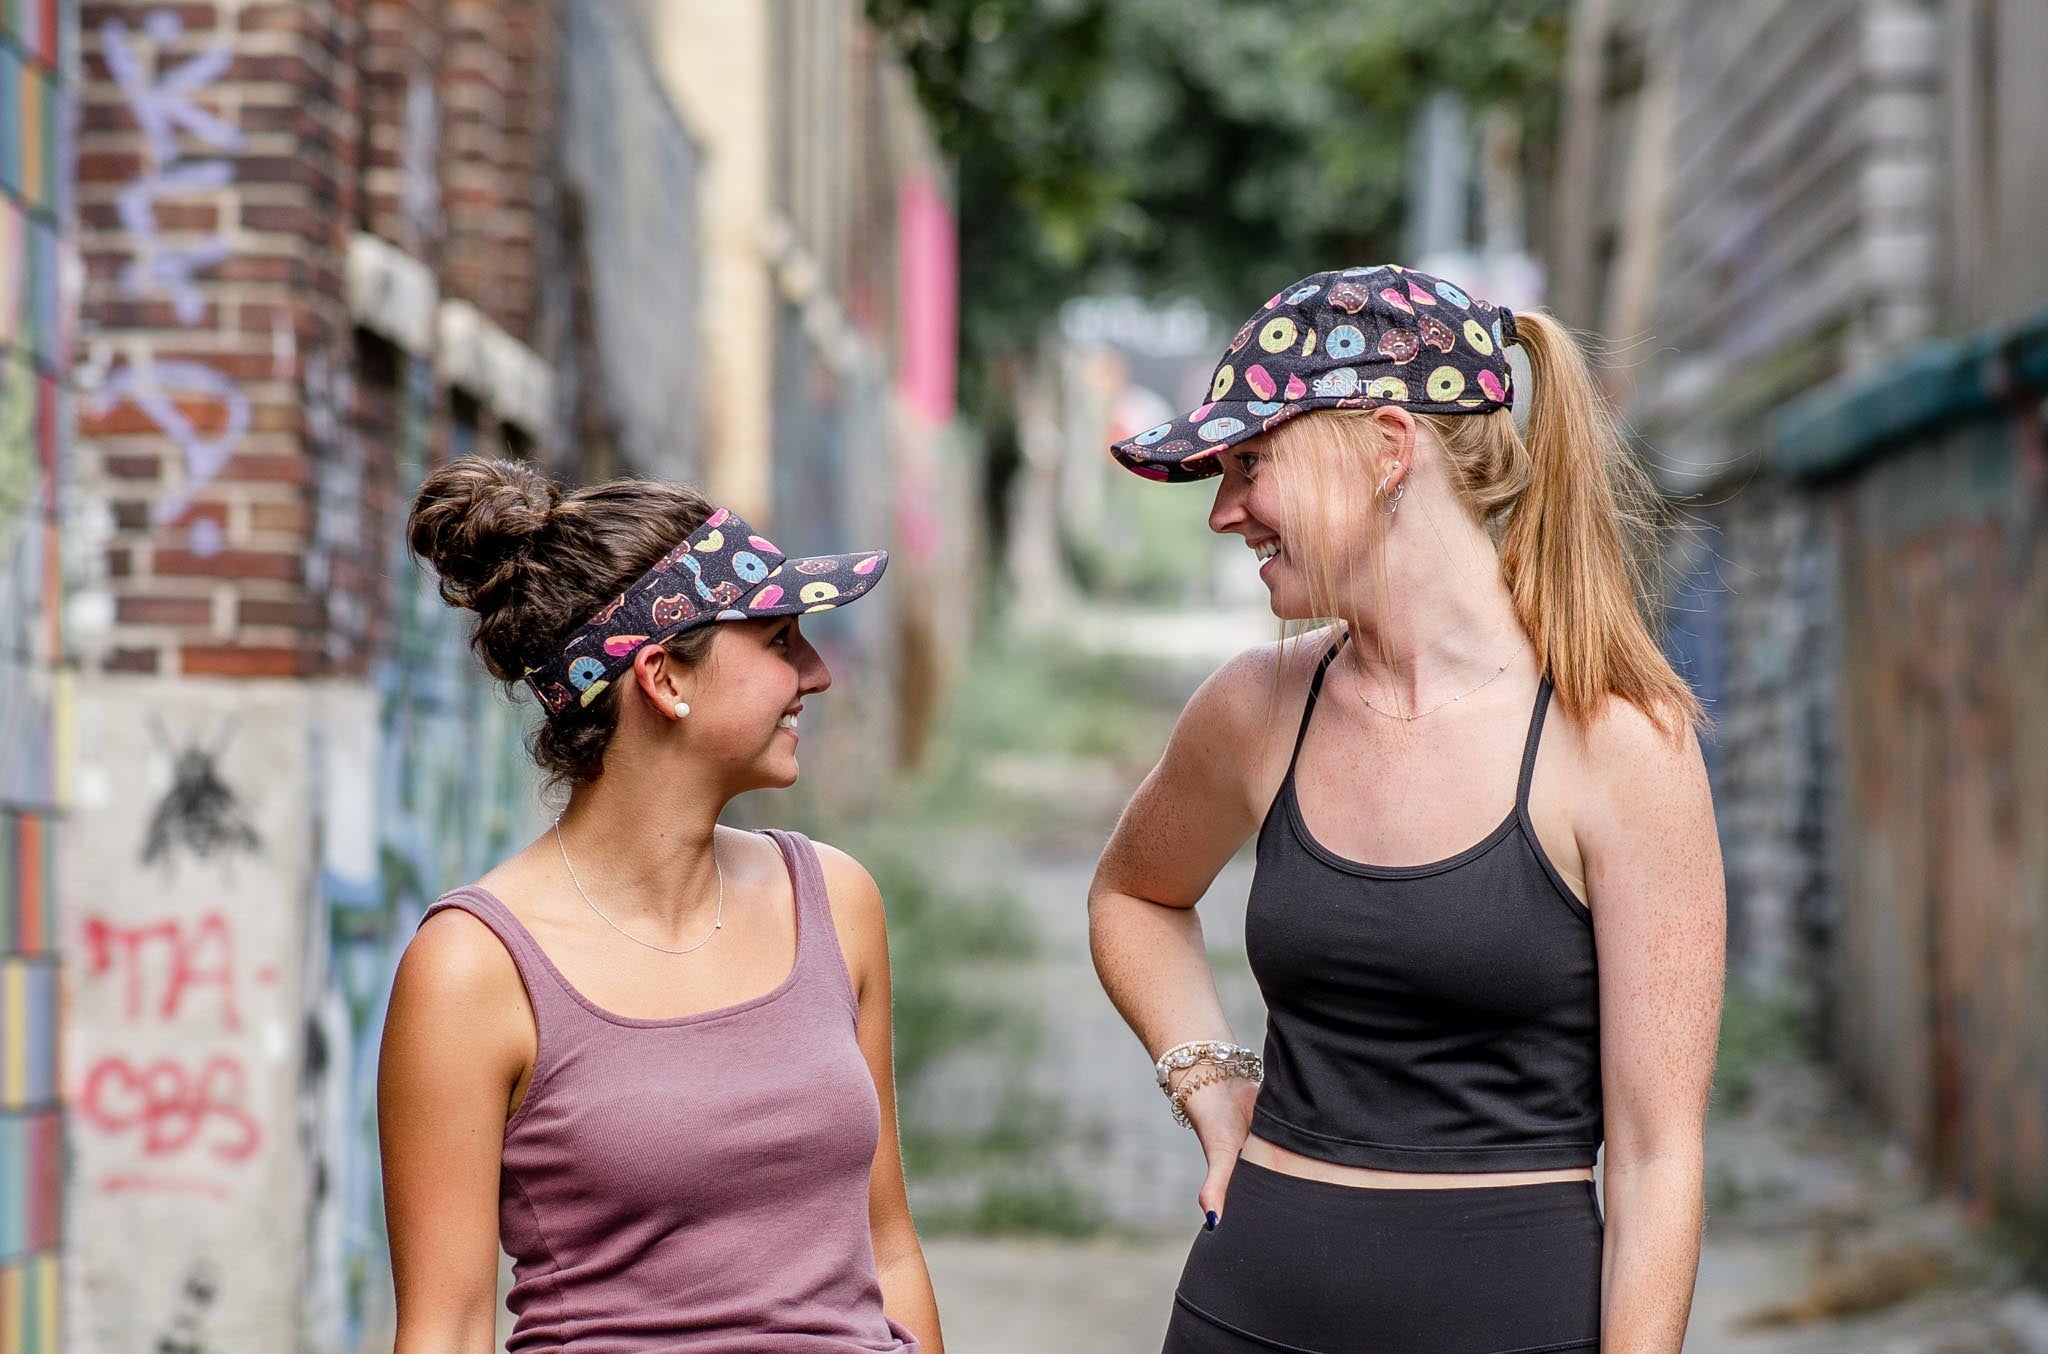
(1358, 680)
(717, 922)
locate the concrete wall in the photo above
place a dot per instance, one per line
(187, 881)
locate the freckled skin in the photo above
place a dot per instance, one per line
(1620, 805)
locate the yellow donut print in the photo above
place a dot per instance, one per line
(1476, 335)
(814, 593)
(1388, 388)
(1278, 334)
(715, 541)
(1308, 349)
(1446, 383)
(1224, 376)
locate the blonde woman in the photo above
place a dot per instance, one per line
(1487, 918)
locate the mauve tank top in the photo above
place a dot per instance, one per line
(698, 1183)
(1439, 1017)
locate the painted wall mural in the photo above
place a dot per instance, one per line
(425, 790)
(35, 214)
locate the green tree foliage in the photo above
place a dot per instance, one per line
(1207, 148)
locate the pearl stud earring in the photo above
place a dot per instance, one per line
(682, 709)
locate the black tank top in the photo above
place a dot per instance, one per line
(1440, 1017)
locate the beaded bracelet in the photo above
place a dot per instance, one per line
(1208, 1076)
(1182, 1056)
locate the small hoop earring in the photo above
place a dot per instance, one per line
(1400, 491)
(682, 709)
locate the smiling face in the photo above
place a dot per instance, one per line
(1303, 512)
(746, 697)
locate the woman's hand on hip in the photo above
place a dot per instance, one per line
(1222, 1115)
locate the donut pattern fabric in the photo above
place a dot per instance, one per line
(1346, 338)
(723, 571)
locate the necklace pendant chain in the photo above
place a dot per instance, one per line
(1358, 680)
(717, 920)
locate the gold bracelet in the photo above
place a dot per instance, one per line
(1206, 1076)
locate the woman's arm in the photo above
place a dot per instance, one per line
(458, 1037)
(899, 1260)
(1186, 820)
(1660, 922)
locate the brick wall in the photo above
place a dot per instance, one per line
(215, 315)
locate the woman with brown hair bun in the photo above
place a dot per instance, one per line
(648, 1055)
(1485, 950)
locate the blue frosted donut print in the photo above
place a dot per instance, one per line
(1453, 295)
(584, 671)
(1216, 429)
(749, 566)
(1151, 435)
(1344, 343)
(697, 576)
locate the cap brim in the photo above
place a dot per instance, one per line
(1190, 447)
(799, 586)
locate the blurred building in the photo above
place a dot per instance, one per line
(311, 250)
(831, 299)
(1808, 227)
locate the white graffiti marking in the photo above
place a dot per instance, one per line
(150, 385)
(164, 107)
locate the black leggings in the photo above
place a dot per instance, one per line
(1318, 1268)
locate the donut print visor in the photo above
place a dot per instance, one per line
(1346, 339)
(724, 571)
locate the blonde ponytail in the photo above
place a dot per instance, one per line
(1575, 546)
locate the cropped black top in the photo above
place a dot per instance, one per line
(1440, 1017)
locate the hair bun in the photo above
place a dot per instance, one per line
(476, 520)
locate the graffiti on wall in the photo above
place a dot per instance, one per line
(433, 795)
(199, 814)
(35, 250)
(199, 407)
(169, 1088)
(338, 491)
(174, 1098)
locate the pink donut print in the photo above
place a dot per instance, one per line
(1296, 388)
(717, 519)
(1495, 391)
(1392, 296)
(767, 596)
(763, 543)
(618, 646)
(1421, 297)
(867, 566)
(1261, 382)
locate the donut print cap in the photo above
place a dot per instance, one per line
(1349, 338)
(723, 571)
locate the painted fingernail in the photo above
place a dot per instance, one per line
(1210, 1225)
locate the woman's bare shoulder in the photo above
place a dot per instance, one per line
(455, 969)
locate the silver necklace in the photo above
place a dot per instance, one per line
(1358, 679)
(717, 921)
